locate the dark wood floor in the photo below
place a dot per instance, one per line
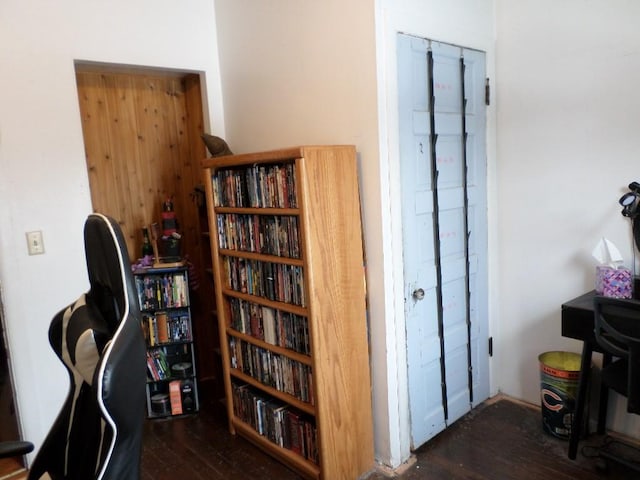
(500, 440)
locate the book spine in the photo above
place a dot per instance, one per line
(162, 327)
(280, 423)
(175, 397)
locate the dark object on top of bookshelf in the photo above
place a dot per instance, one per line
(217, 146)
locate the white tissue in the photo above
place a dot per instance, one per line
(606, 253)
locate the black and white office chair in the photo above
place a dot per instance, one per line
(98, 432)
(617, 331)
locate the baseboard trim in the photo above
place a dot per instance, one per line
(399, 470)
(17, 475)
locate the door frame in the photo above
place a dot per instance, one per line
(15, 427)
(458, 193)
(183, 181)
(391, 407)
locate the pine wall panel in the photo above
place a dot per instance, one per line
(142, 145)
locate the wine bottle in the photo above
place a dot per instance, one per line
(147, 248)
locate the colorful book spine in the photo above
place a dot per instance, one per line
(175, 397)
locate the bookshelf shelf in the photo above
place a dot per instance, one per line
(307, 468)
(286, 245)
(163, 296)
(275, 393)
(266, 302)
(261, 257)
(274, 348)
(259, 211)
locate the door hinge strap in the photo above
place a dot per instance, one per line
(487, 92)
(436, 230)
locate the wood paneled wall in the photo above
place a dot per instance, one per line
(142, 142)
(142, 133)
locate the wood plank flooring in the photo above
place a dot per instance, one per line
(500, 440)
(11, 469)
(503, 440)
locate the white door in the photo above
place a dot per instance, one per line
(443, 174)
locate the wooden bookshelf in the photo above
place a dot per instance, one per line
(163, 296)
(286, 243)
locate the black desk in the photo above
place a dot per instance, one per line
(578, 323)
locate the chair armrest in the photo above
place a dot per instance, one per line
(15, 449)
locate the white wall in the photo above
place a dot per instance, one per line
(296, 72)
(568, 145)
(43, 179)
(301, 71)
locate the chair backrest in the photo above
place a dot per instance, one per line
(98, 433)
(617, 331)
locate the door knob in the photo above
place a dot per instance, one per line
(418, 294)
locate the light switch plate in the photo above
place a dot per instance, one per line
(34, 243)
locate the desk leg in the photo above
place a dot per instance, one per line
(583, 387)
(604, 399)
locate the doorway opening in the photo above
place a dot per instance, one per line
(142, 131)
(9, 421)
(442, 122)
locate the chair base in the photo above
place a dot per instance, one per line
(621, 453)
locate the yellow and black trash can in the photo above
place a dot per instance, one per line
(559, 376)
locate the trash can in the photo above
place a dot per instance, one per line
(559, 375)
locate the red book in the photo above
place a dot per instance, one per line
(294, 427)
(175, 397)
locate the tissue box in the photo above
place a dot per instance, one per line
(614, 282)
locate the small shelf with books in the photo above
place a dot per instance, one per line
(163, 295)
(286, 245)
